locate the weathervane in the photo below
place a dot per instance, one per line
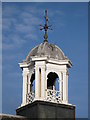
(45, 27)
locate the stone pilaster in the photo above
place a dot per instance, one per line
(36, 82)
(65, 88)
(43, 77)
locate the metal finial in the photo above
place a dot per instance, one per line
(45, 27)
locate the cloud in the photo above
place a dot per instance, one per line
(56, 12)
(14, 57)
(10, 9)
(7, 23)
(18, 29)
(14, 42)
(31, 36)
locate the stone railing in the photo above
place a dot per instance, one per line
(53, 96)
(30, 97)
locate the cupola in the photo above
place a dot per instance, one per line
(45, 72)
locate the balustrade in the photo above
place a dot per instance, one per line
(51, 96)
(30, 97)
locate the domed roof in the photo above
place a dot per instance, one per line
(46, 49)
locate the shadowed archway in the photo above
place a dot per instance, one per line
(52, 81)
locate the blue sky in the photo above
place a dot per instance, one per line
(21, 32)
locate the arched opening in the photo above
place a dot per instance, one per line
(53, 81)
(32, 83)
(53, 87)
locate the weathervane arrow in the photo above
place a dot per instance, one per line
(45, 27)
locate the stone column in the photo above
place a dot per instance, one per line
(46, 86)
(36, 82)
(24, 88)
(43, 82)
(60, 85)
(67, 85)
(65, 88)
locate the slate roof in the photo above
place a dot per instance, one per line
(46, 49)
(12, 117)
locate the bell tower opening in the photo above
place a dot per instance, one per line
(52, 81)
(53, 87)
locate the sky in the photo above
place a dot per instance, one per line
(0, 57)
(21, 32)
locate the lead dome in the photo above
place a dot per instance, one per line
(46, 49)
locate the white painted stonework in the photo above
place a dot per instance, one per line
(42, 66)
